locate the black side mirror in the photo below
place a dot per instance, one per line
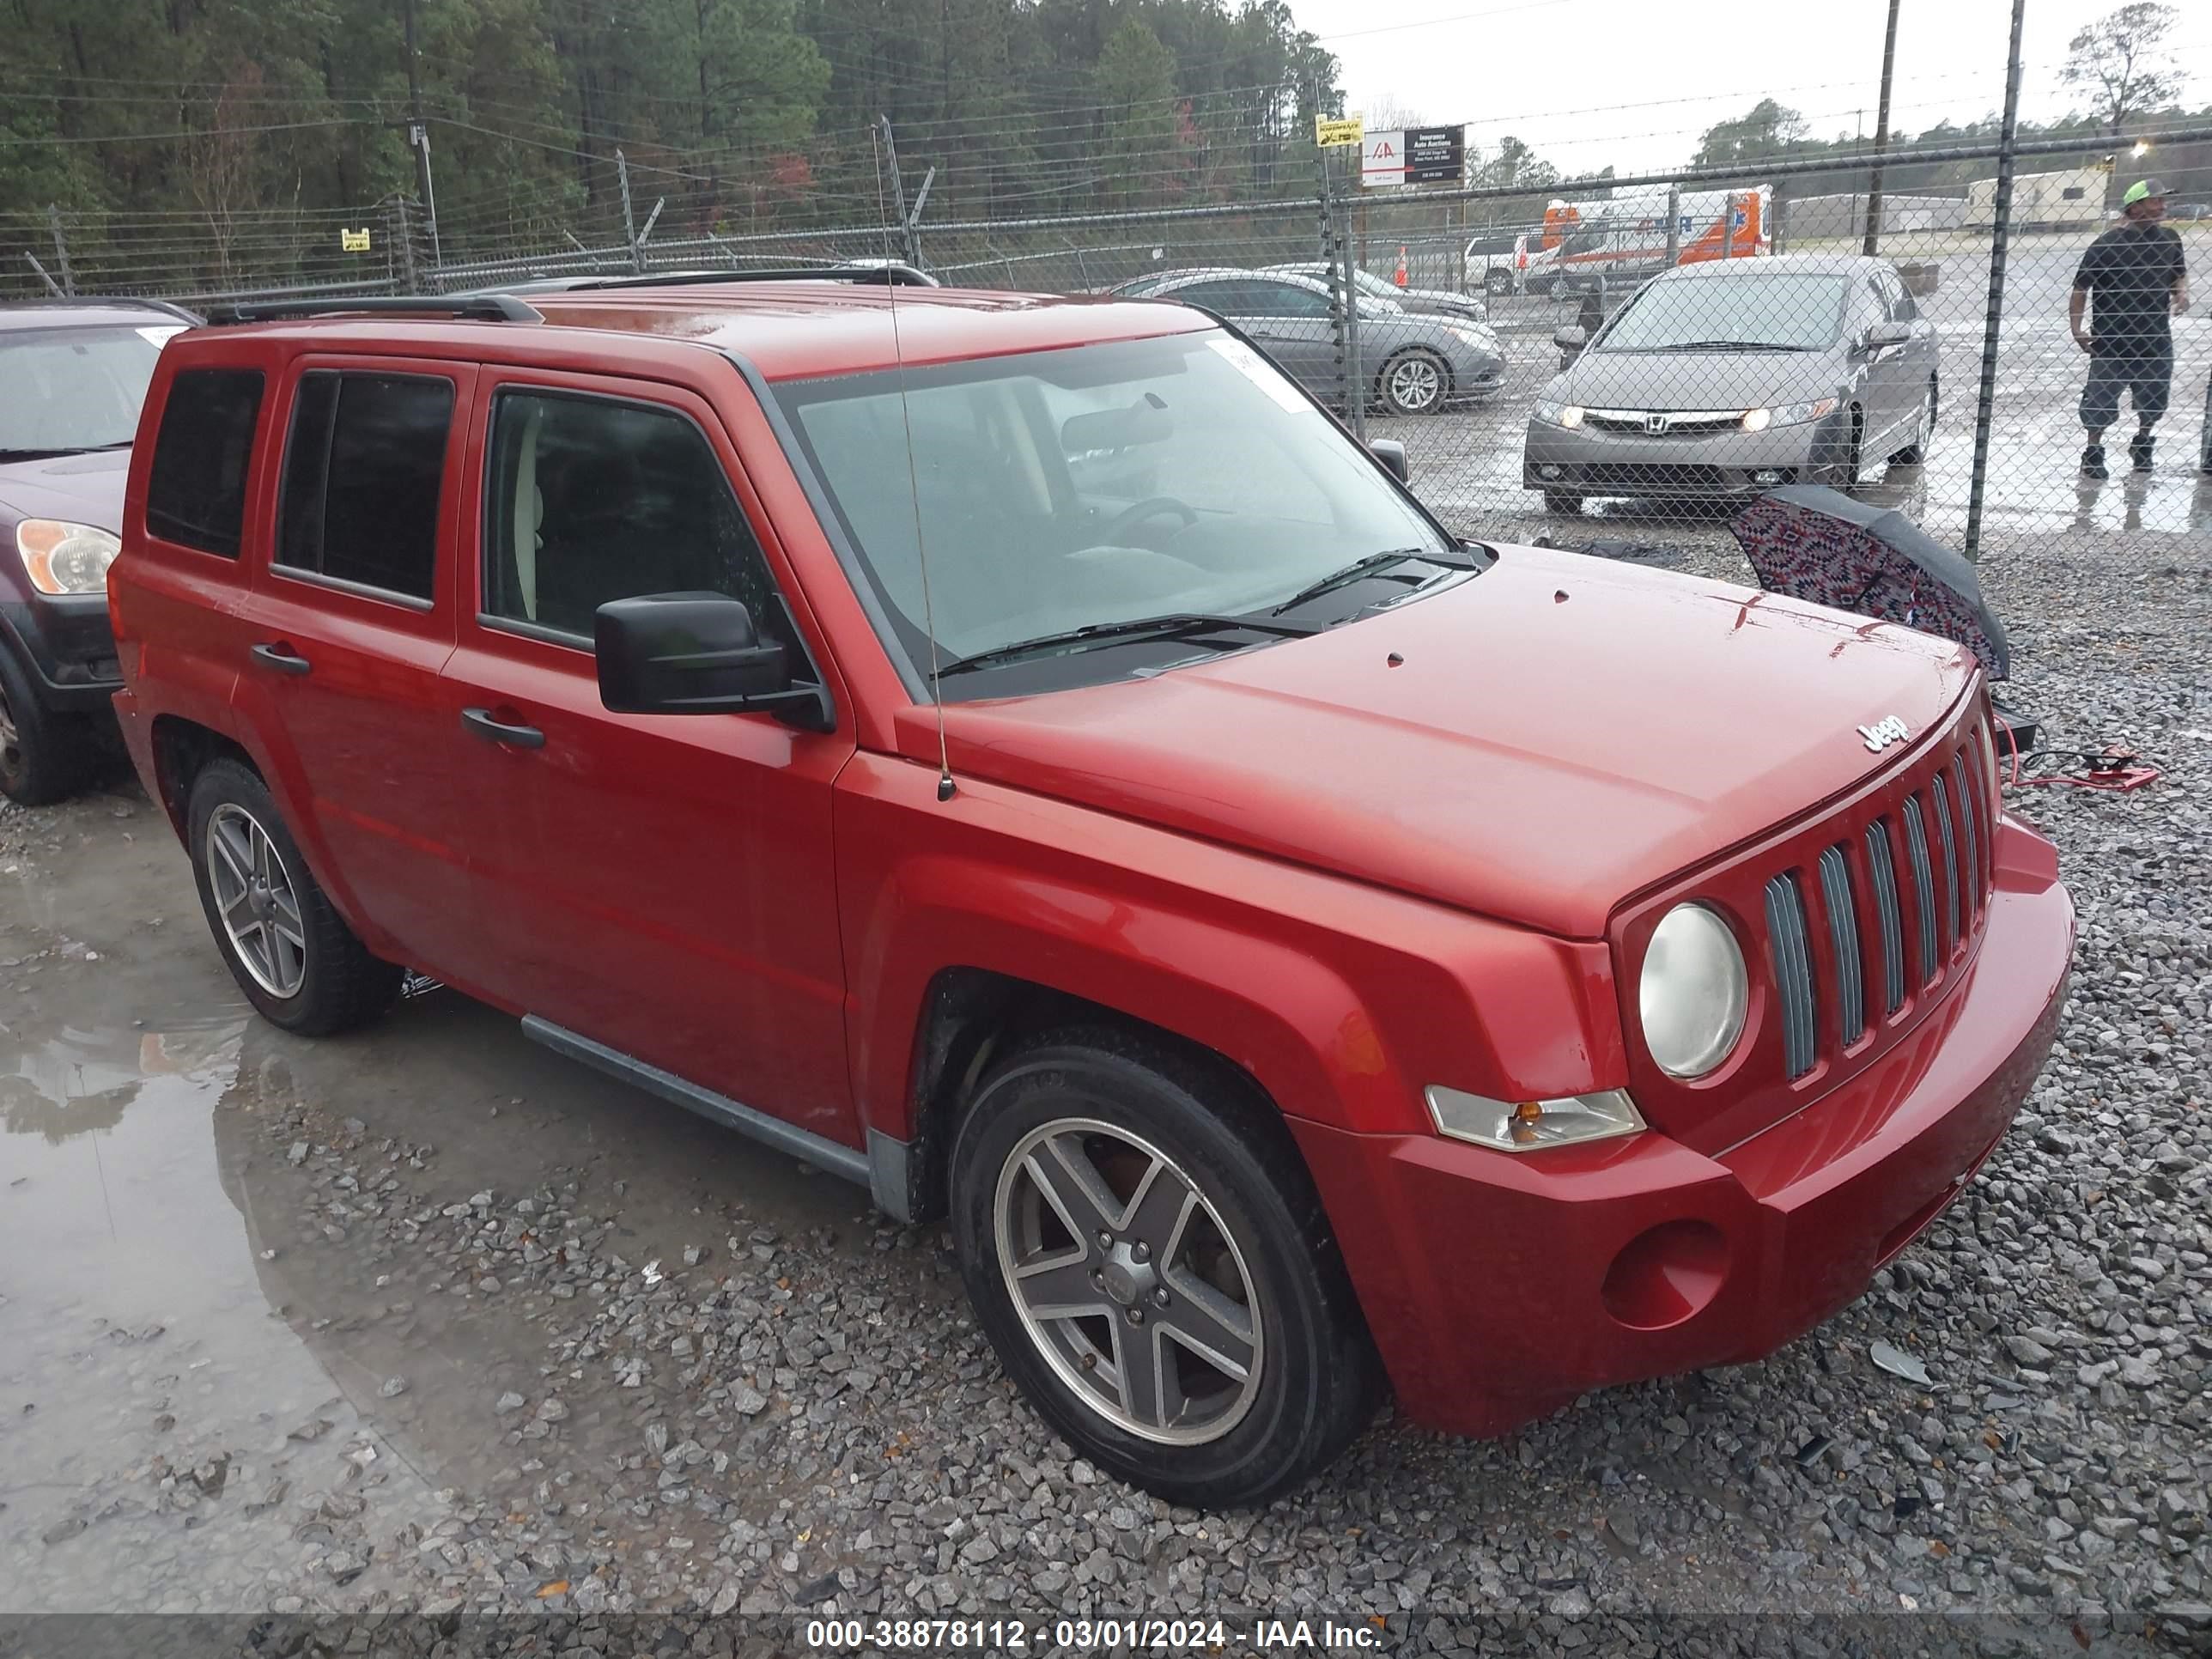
(692, 654)
(1392, 454)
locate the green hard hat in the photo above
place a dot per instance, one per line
(2140, 189)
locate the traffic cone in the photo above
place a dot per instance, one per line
(1401, 277)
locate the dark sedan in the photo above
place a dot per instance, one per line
(75, 373)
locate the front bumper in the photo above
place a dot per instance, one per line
(1584, 462)
(63, 643)
(1499, 1288)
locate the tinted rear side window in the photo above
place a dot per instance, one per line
(363, 470)
(196, 491)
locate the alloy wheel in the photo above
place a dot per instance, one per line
(1126, 1277)
(1415, 384)
(256, 900)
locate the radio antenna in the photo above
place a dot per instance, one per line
(946, 787)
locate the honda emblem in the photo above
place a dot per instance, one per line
(1654, 424)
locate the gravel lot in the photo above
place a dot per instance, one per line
(426, 1320)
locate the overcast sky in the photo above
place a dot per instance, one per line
(1634, 84)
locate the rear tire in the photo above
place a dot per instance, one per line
(290, 952)
(1496, 283)
(1243, 1257)
(44, 757)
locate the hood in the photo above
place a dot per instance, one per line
(84, 489)
(1562, 732)
(1699, 379)
(1440, 299)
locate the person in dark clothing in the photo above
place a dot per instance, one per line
(2140, 279)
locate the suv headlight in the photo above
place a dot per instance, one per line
(1757, 419)
(62, 557)
(1569, 416)
(1693, 992)
(1524, 1125)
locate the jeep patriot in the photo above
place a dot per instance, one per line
(1022, 755)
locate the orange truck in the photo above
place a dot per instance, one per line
(1625, 238)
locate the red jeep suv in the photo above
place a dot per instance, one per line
(1020, 754)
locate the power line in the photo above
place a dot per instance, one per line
(188, 132)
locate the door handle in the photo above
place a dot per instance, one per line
(480, 721)
(282, 657)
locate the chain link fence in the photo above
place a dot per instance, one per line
(1625, 359)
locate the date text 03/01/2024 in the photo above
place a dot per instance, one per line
(1199, 1635)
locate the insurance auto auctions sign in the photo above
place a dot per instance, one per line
(1414, 156)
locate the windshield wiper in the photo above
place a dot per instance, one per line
(50, 454)
(1733, 345)
(1359, 570)
(1137, 629)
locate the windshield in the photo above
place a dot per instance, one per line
(1787, 310)
(1075, 489)
(73, 388)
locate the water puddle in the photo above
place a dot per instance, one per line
(167, 1441)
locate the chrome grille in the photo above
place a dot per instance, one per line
(1793, 971)
(1677, 423)
(1923, 886)
(1942, 797)
(1837, 896)
(1886, 910)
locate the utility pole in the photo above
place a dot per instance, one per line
(418, 139)
(630, 221)
(1880, 135)
(898, 184)
(2000, 232)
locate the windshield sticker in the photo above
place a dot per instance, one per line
(154, 337)
(1262, 374)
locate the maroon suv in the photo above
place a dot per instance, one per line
(73, 373)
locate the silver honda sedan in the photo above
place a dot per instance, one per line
(1732, 377)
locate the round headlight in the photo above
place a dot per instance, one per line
(1693, 992)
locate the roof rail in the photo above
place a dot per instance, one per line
(891, 273)
(472, 307)
(60, 300)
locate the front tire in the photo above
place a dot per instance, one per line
(1841, 460)
(1916, 452)
(44, 757)
(290, 952)
(1148, 1256)
(1414, 382)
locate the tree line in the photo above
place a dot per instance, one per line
(730, 114)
